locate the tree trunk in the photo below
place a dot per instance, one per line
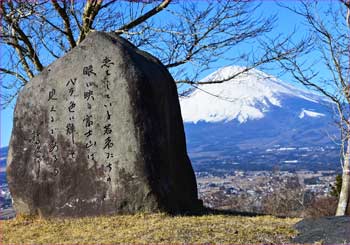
(344, 192)
(345, 184)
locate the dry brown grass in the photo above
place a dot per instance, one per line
(148, 228)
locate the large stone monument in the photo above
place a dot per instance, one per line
(99, 131)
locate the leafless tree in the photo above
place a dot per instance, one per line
(187, 36)
(325, 68)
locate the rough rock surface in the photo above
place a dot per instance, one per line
(328, 230)
(99, 131)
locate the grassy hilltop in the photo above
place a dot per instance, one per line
(149, 228)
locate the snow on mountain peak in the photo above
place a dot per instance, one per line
(247, 96)
(308, 113)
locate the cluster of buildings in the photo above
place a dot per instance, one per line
(250, 188)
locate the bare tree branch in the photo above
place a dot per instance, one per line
(143, 17)
(62, 12)
(91, 9)
(15, 74)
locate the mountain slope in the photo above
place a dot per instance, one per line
(258, 113)
(3, 156)
(248, 96)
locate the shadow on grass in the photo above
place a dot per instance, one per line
(201, 211)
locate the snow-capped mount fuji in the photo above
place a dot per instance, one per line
(256, 112)
(248, 96)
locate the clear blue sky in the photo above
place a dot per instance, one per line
(285, 24)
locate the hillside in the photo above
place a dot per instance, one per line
(257, 122)
(249, 96)
(149, 228)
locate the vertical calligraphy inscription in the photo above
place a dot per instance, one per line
(53, 147)
(35, 141)
(107, 127)
(88, 119)
(70, 126)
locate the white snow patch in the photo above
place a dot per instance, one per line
(286, 149)
(291, 161)
(308, 113)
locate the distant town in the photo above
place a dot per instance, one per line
(246, 190)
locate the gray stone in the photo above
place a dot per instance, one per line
(327, 230)
(100, 131)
